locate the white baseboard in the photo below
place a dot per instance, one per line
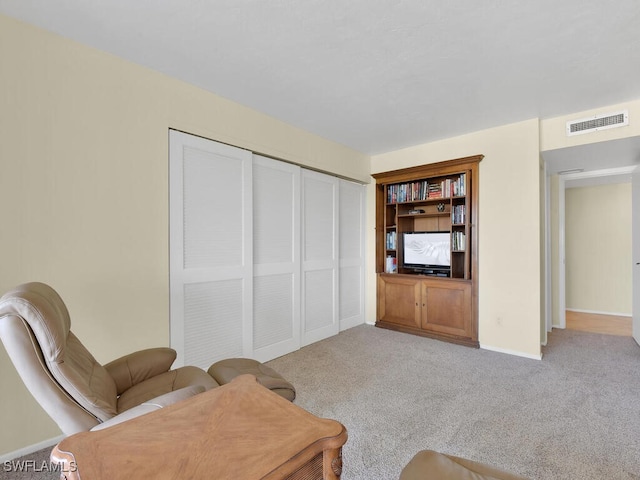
(511, 352)
(595, 312)
(5, 457)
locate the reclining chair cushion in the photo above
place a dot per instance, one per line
(137, 367)
(37, 303)
(70, 363)
(226, 370)
(86, 380)
(165, 383)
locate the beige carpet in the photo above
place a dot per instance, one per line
(574, 415)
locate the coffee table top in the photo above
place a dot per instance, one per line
(239, 430)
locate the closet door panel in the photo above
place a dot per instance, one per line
(319, 297)
(274, 318)
(212, 322)
(352, 253)
(276, 254)
(213, 227)
(351, 302)
(210, 250)
(319, 256)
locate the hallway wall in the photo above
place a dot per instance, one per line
(598, 248)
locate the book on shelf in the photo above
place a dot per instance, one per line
(391, 265)
(435, 190)
(391, 240)
(454, 186)
(458, 214)
(458, 241)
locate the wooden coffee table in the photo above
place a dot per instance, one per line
(238, 431)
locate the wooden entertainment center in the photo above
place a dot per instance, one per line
(428, 284)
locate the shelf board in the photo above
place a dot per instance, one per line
(428, 201)
(413, 215)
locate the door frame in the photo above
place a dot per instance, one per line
(635, 254)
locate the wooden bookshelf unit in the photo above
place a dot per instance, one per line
(417, 291)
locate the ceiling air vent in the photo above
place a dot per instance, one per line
(598, 122)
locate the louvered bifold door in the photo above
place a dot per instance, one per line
(210, 250)
(319, 256)
(351, 251)
(276, 258)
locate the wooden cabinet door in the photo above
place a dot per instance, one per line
(399, 300)
(446, 307)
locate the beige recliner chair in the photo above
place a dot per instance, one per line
(431, 465)
(79, 393)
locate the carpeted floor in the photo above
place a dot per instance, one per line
(573, 415)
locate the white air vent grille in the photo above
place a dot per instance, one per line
(598, 122)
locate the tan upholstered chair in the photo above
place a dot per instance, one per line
(431, 465)
(73, 388)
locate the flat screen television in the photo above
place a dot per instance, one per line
(427, 251)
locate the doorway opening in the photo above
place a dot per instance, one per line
(591, 164)
(597, 251)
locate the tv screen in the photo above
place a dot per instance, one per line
(427, 249)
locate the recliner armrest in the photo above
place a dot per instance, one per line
(152, 405)
(136, 367)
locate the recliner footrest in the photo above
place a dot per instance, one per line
(226, 370)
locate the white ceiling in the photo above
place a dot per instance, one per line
(375, 75)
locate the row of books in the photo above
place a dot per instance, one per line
(458, 241)
(458, 214)
(391, 240)
(391, 265)
(424, 190)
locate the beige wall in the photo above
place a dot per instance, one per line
(598, 248)
(84, 190)
(508, 225)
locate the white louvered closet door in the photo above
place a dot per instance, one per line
(276, 258)
(319, 256)
(210, 250)
(352, 253)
